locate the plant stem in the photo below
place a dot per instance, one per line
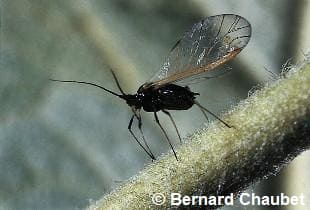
(269, 129)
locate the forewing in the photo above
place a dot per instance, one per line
(207, 45)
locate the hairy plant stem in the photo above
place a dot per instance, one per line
(270, 128)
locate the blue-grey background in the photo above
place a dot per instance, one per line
(63, 145)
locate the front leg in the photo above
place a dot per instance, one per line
(134, 136)
(138, 116)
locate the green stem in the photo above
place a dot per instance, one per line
(270, 128)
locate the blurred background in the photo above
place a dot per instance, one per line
(63, 146)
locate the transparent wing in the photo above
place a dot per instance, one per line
(197, 78)
(207, 45)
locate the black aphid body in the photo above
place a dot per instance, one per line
(166, 97)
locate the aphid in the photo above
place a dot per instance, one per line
(206, 46)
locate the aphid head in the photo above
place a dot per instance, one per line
(132, 100)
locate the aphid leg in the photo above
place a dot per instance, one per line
(203, 109)
(161, 127)
(204, 114)
(138, 115)
(129, 128)
(117, 82)
(175, 126)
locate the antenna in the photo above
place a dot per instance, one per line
(88, 83)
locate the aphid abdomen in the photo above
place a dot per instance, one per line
(174, 97)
